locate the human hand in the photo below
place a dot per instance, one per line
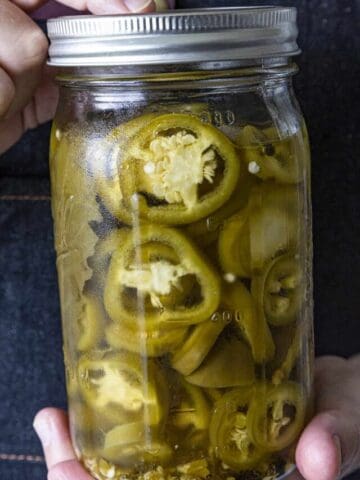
(28, 97)
(328, 449)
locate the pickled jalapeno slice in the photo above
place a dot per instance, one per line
(216, 370)
(273, 222)
(191, 416)
(105, 161)
(119, 385)
(279, 290)
(189, 356)
(90, 324)
(234, 245)
(207, 230)
(149, 343)
(229, 431)
(177, 170)
(71, 377)
(276, 415)
(124, 435)
(133, 443)
(86, 426)
(289, 342)
(213, 394)
(155, 252)
(238, 300)
(132, 282)
(267, 156)
(104, 250)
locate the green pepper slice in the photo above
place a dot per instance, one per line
(190, 416)
(88, 426)
(214, 394)
(105, 162)
(207, 230)
(276, 415)
(268, 157)
(189, 356)
(177, 170)
(234, 245)
(253, 327)
(90, 324)
(288, 341)
(83, 419)
(104, 250)
(133, 444)
(229, 431)
(156, 252)
(106, 246)
(134, 289)
(119, 385)
(215, 371)
(279, 290)
(152, 343)
(72, 386)
(125, 434)
(273, 222)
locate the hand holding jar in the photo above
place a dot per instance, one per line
(327, 450)
(28, 96)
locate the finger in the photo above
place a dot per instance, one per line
(29, 5)
(52, 427)
(106, 7)
(71, 470)
(355, 361)
(40, 109)
(23, 51)
(329, 446)
(111, 6)
(7, 92)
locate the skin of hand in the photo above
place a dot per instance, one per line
(28, 96)
(328, 449)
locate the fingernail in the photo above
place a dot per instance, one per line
(136, 6)
(42, 426)
(338, 448)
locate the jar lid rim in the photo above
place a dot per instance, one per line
(176, 37)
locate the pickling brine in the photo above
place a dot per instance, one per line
(183, 240)
(182, 248)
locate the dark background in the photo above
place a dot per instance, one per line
(30, 340)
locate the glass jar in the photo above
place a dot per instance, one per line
(181, 201)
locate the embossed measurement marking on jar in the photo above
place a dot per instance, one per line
(219, 119)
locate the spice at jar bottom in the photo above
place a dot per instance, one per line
(181, 212)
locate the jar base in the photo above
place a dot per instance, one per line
(101, 469)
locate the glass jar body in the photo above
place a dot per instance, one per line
(183, 237)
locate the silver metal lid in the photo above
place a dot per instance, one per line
(176, 37)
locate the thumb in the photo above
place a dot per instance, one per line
(330, 446)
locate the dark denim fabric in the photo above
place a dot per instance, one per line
(23, 470)
(30, 340)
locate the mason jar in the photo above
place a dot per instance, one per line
(181, 201)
